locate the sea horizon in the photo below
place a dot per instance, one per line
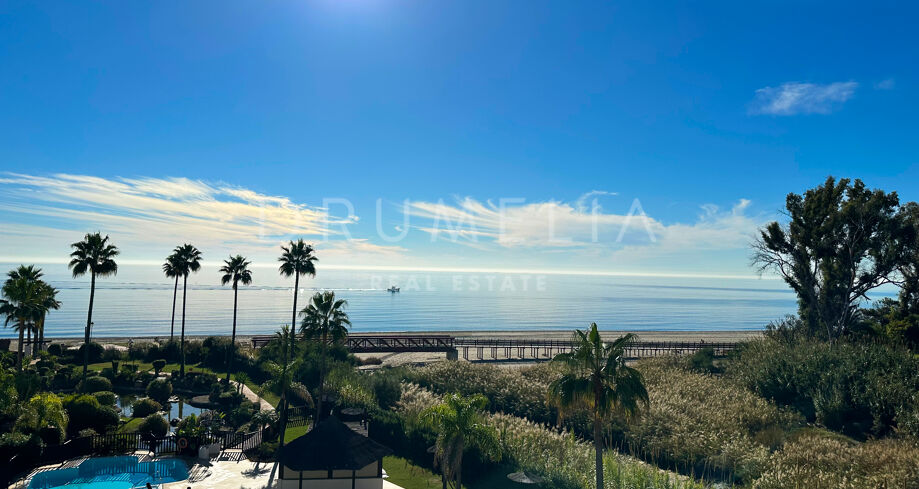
(138, 302)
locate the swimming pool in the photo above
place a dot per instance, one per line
(112, 473)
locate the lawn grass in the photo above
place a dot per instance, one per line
(403, 473)
(131, 426)
(294, 432)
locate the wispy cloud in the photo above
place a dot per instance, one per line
(888, 84)
(560, 225)
(157, 213)
(802, 98)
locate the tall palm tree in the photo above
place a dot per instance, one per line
(598, 378)
(459, 424)
(281, 377)
(171, 270)
(325, 320)
(95, 255)
(235, 270)
(297, 259)
(32, 274)
(187, 260)
(19, 308)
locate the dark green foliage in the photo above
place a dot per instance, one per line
(197, 382)
(159, 390)
(703, 361)
(145, 407)
(95, 352)
(387, 389)
(154, 424)
(84, 411)
(105, 398)
(857, 389)
(95, 384)
(842, 241)
(56, 349)
(158, 365)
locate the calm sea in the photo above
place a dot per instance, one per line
(138, 302)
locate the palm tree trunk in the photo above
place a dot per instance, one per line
(598, 449)
(29, 340)
(233, 336)
(283, 421)
(459, 466)
(89, 322)
(321, 378)
(172, 324)
(293, 319)
(41, 333)
(182, 340)
(22, 333)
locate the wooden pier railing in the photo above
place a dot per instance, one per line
(504, 348)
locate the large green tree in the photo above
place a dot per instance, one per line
(171, 269)
(187, 261)
(235, 270)
(94, 255)
(325, 321)
(47, 301)
(459, 424)
(297, 259)
(841, 241)
(596, 377)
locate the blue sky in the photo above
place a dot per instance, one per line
(706, 114)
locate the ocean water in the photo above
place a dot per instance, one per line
(138, 302)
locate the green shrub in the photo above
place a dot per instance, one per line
(145, 407)
(95, 384)
(158, 365)
(703, 361)
(159, 390)
(95, 352)
(105, 398)
(857, 389)
(154, 424)
(84, 411)
(56, 349)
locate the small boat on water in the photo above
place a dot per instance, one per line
(393, 289)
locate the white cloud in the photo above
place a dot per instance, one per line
(888, 84)
(554, 225)
(158, 213)
(802, 98)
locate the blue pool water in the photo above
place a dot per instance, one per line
(112, 473)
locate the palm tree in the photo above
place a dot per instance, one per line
(324, 319)
(297, 259)
(32, 274)
(171, 269)
(95, 255)
(281, 377)
(459, 424)
(236, 270)
(47, 300)
(19, 307)
(187, 260)
(598, 378)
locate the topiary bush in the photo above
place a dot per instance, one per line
(145, 407)
(105, 398)
(159, 390)
(95, 352)
(84, 411)
(158, 365)
(90, 385)
(155, 425)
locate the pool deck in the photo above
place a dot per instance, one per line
(225, 472)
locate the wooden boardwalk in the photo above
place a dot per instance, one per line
(503, 348)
